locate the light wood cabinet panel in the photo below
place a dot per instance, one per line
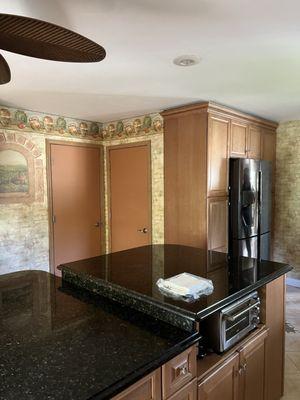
(221, 383)
(254, 142)
(218, 139)
(217, 230)
(179, 371)
(238, 139)
(268, 150)
(148, 388)
(273, 316)
(185, 179)
(252, 369)
(188, 392)
(268, 146)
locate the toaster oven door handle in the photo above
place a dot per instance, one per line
(233, 317)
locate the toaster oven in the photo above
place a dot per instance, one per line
(229, 325)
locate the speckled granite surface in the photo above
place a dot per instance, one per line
(130, 277)
(58, 344)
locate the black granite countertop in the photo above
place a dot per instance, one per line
(59, 344)
(130, 277)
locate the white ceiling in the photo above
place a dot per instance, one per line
(250, 51)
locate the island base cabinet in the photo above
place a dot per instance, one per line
(188, 392)
(252, 369)
(241, 376)
(148, 388)
(221, 383)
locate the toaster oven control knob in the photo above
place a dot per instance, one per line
(255, 320)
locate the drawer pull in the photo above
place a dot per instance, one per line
(182, 370)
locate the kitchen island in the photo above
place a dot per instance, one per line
(130, 277)
(106, 332)
(58, 344)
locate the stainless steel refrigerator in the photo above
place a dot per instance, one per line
(250, 208)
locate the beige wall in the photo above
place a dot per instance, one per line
(24, 237)
(287, 207)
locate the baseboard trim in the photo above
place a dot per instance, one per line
(293, 282)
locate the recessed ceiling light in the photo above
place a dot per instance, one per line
(186, 60)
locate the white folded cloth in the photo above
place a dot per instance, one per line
(186, 285)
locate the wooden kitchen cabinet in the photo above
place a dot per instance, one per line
(252, 368)
(268, 151)
(238, 376)
(147, 388)
(188, 392)
(217, 229)
(222, 383)
(218, 140)
(198, 141)
(254, 142)
(268, 146)
(175, 380)
(273, 316)
(179, 371)
(238, 139)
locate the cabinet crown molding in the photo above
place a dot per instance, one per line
(221, 110)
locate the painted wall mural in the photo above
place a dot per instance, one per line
(21, 170)
(13, 172)
(28, 121)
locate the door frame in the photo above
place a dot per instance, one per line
(49, 142)
(146, 143)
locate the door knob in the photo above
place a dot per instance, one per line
(144, 230)
(97, 224)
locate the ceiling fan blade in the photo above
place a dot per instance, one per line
(4, 71)
(40, 39)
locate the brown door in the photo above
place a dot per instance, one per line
(130, 196)
(75, 180)
(222, 384)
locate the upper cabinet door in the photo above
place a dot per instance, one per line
(238, 139)
(218, 139)
(254, 142)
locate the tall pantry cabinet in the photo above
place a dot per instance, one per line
(198, 142)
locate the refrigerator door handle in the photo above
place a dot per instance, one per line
(259, 195)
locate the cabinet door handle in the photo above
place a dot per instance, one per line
(242, 368)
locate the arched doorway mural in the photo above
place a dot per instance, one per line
(14, 177)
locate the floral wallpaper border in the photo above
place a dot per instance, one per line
(150, 124)
(29, 121)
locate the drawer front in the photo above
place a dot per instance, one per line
(148, 388)
(179, 371)
(188, 392)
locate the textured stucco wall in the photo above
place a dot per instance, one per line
(24, 236)
(287, 192)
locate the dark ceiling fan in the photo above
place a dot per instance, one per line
(40, 39)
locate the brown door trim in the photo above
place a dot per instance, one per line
(120, 146)
(49, 142)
